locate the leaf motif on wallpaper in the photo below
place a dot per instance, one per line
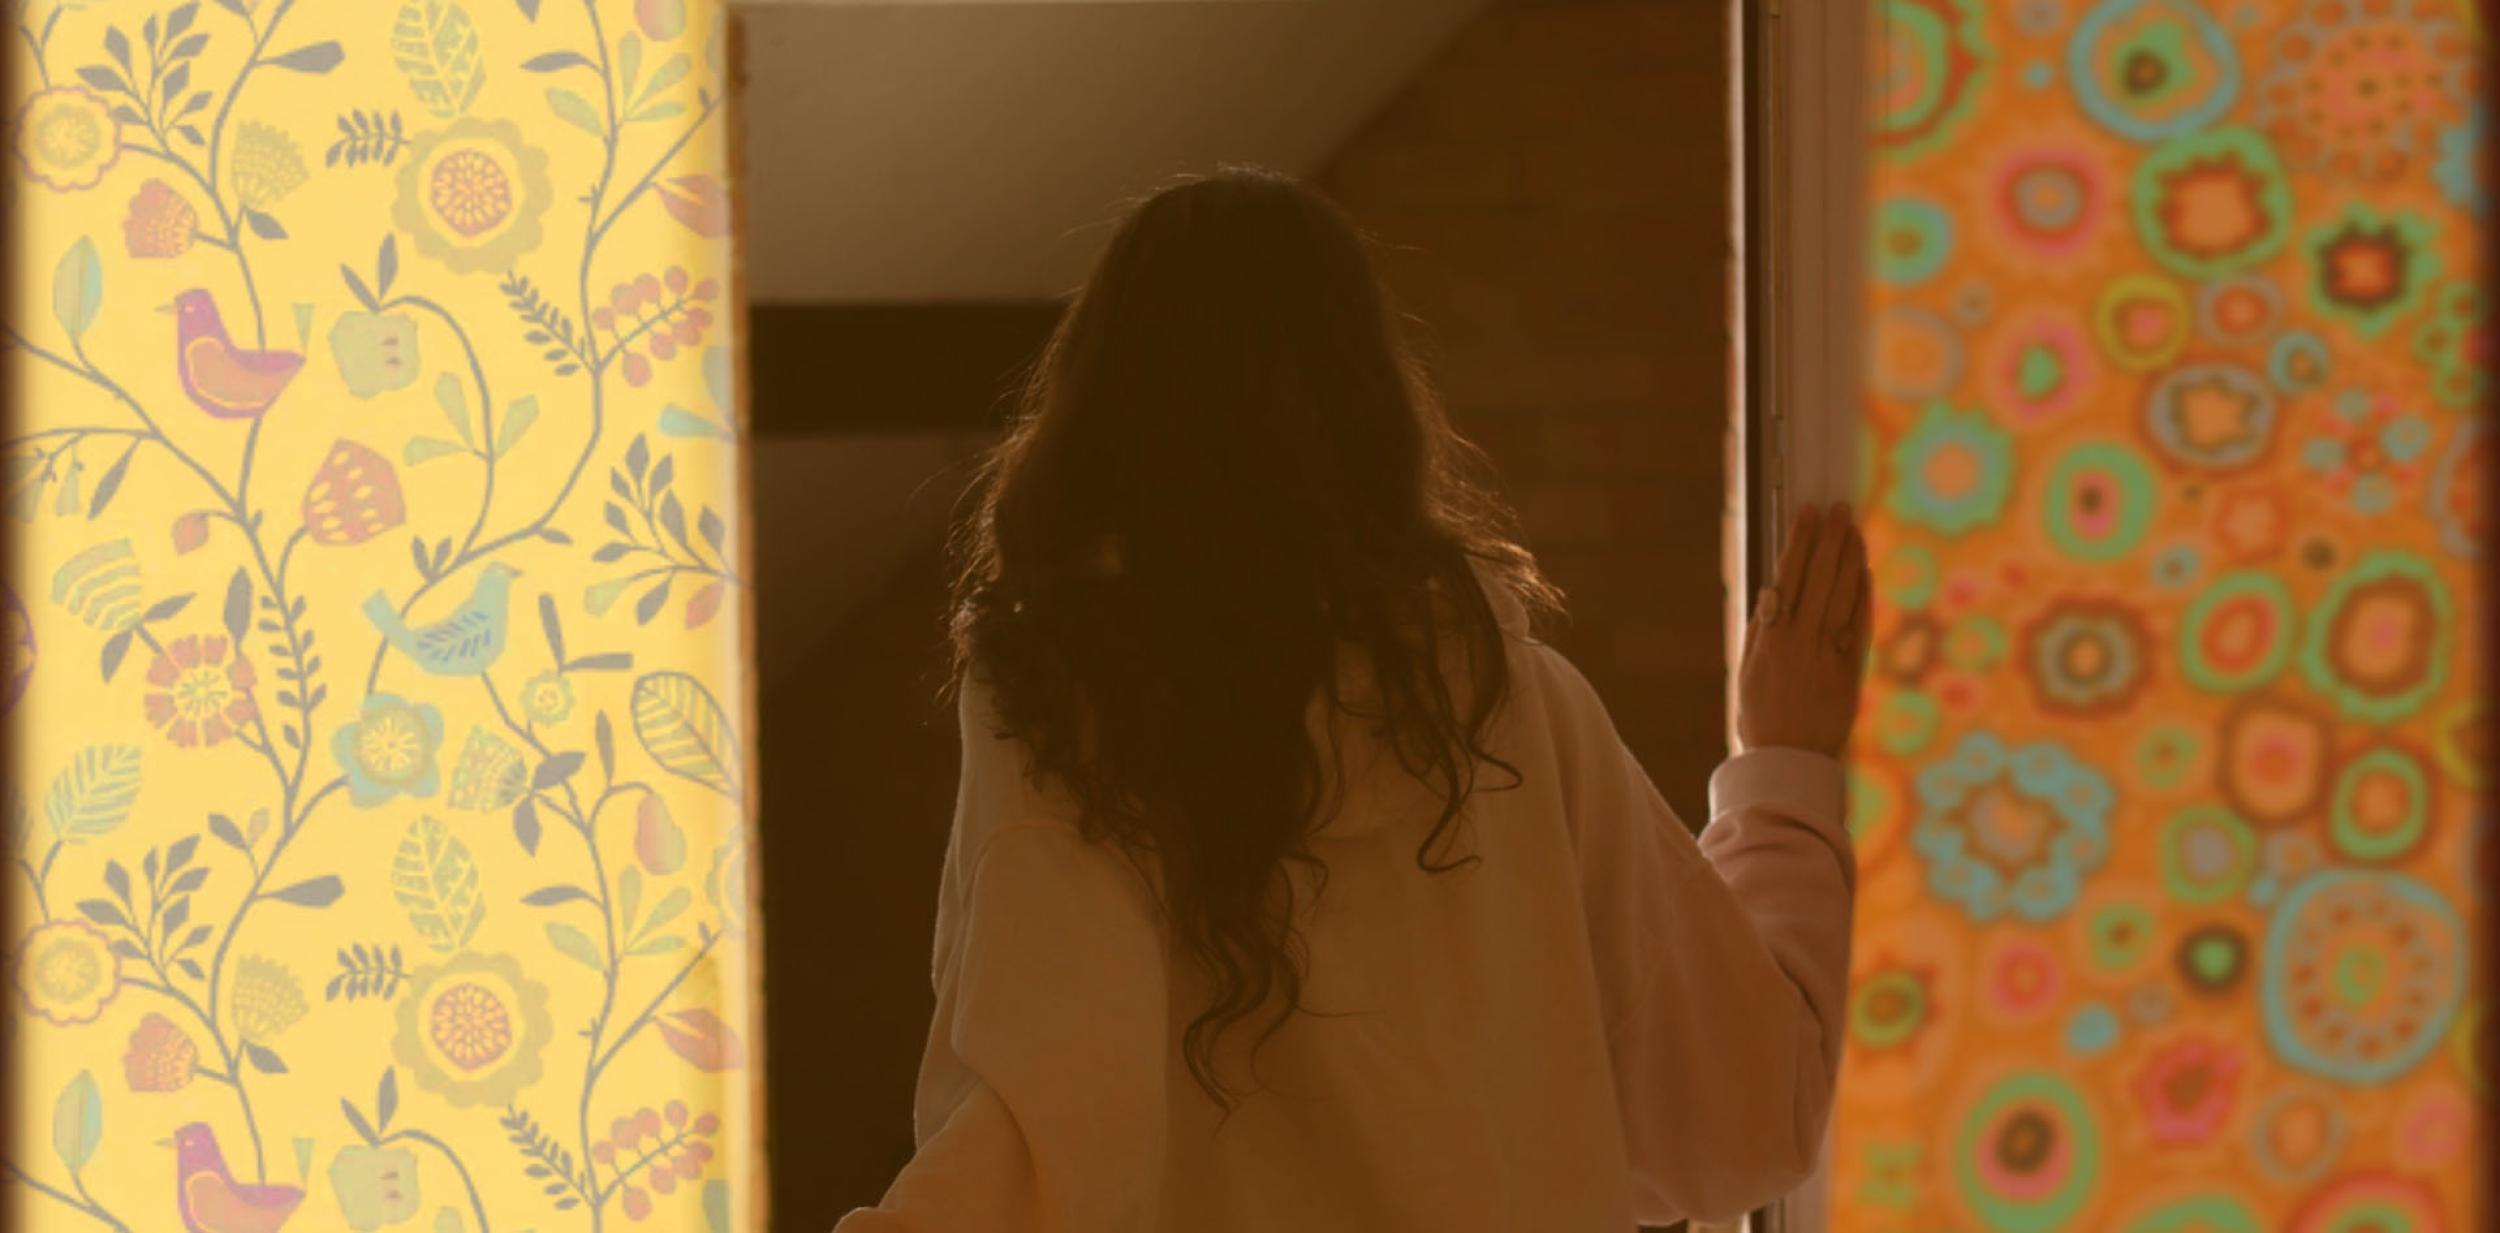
(436, 45)
(100, 585)
(77, 288)
(367, 137)
(698, 201)
(78, 1122)
(434, 879)
(684, 729)
(698, 1035)
(92, 796)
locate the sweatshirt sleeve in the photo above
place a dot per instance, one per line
(1043, 1105)
(1722, 964)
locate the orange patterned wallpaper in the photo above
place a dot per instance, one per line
(2168, 798)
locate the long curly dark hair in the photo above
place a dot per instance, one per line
(1227, 471)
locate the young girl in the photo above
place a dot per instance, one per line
(1295, 886)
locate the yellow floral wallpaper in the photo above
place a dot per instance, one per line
(375, 658)
(2170, 803)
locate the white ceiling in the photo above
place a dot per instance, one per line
(931, 150)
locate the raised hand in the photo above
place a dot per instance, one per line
(1797, 684)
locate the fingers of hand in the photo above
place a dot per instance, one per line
(1793, 558)
(1831, 544)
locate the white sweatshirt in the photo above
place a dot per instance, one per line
(1602, 1022)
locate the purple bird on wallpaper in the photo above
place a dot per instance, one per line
(212, 1201)
(222, 379)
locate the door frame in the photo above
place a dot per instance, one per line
(1804, 79)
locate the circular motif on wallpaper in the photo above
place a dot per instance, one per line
(2010, 829)
(2369, 269)
(1918, 355)
(2020, 976)
(1935, 63)
(2119, 930)
(2211, 416)
(1913, 239)
(2049, 199)
(2177, 566)
(2211, 1212)
(1905, 721)
(1906, 1006)
(2358, 91)
(2461, 739)
(2098, 501)
(2151, 69)
(1874, 815)
(2298, 362)
(2456, 491)
(2434, 1127)
(2038, 365)
(2271, 760)
(2167, 756)
(2296, 1133)
(2206, 854)
(2086, 657)
(2238, 633)
(1975, 643)
(2027, 1153)
(2378, 642)
(1952, 470)
(2212, 203)
(2362, 972)
(2370, 1203)
(1907, 576)
(1910, 652)
(2381, 810)
(2212, 959)
(2239, 311)
(2141, 320)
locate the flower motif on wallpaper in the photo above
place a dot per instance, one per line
(161, 1057)
(2378, 642)
(200, 695)
(472, 1029)
(2368, 453)
(390, 750)
(2212, 416)
(2368, 269)
(162, 222)
(1939, 60)
(268, 999)
(473, 194)
(2212, 203)
(1954, 468)
(2187, 1088)
(2355, 90)
(67, 971)
(547, 698)
(267, 165)
(354, 496)
(67, 137)
(2011, 829)
(2087, 657)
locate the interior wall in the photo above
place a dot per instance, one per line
(376, 671)
(1552, 192)
(2170, 804)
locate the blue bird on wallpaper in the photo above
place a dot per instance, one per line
(462, 644)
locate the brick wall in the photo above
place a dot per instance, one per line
(1551, 192)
